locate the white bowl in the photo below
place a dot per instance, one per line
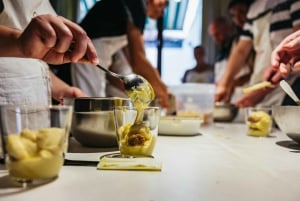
(287, 118)
(176, 125)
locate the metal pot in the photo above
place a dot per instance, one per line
(93, 123)
(224, 112)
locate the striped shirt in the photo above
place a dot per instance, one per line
(285, 16)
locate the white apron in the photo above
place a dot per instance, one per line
(92, 80)
(263, 49)
(23, 81)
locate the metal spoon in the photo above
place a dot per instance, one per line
(141, 94)
(137, 88)
(289, 91)
(130, 81)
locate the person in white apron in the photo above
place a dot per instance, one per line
(27, 81)
(92, 80)
(221, 26)
(110, 43)
(262, 42)
(202, 72)
(263, 49)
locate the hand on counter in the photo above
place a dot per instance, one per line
(223, 92)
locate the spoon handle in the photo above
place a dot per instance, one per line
(288, 89)
(109, 72)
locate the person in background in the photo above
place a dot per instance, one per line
(202, 72)
(220, 29)
(35, 31)
(238, 10)
(226, 36)
(116, 29)
(268, 22)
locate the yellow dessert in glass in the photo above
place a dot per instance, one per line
(259, 123)
(140, 143)
(135, 139)
(35, 154)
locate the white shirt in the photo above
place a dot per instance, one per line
(23, 81)
(92, 80)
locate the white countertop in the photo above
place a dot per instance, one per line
(221, 164)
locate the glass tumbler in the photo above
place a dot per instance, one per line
(136, 132)
(259, 121)
(34, 139)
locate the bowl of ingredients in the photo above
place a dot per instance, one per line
(181, 126)
(34, 140)
(224, 112)
(93, 122)
(287, 119)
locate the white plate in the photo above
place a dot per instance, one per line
(181, 126)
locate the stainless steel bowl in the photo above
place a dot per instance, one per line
(287, 119)
(224, 112)
(93, 122)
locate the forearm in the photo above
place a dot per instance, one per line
(9, 43)
(57, 87)
(147, 71)
(236, 60)
(137, 57)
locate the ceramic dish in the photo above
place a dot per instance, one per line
(181, 126)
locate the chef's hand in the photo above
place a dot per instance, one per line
(286, 58)
(223, 92)
(161, 92)
(61, 90)
(49, 38)
(253, 98)
(68, 92)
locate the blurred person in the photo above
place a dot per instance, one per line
(268, 22)
(33, 30)
(220, 30)
(116, 29)
(202, 72)
(225, 37)
(238, 10)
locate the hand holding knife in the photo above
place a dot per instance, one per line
(272, 79)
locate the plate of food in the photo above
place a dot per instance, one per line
(179, 126)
